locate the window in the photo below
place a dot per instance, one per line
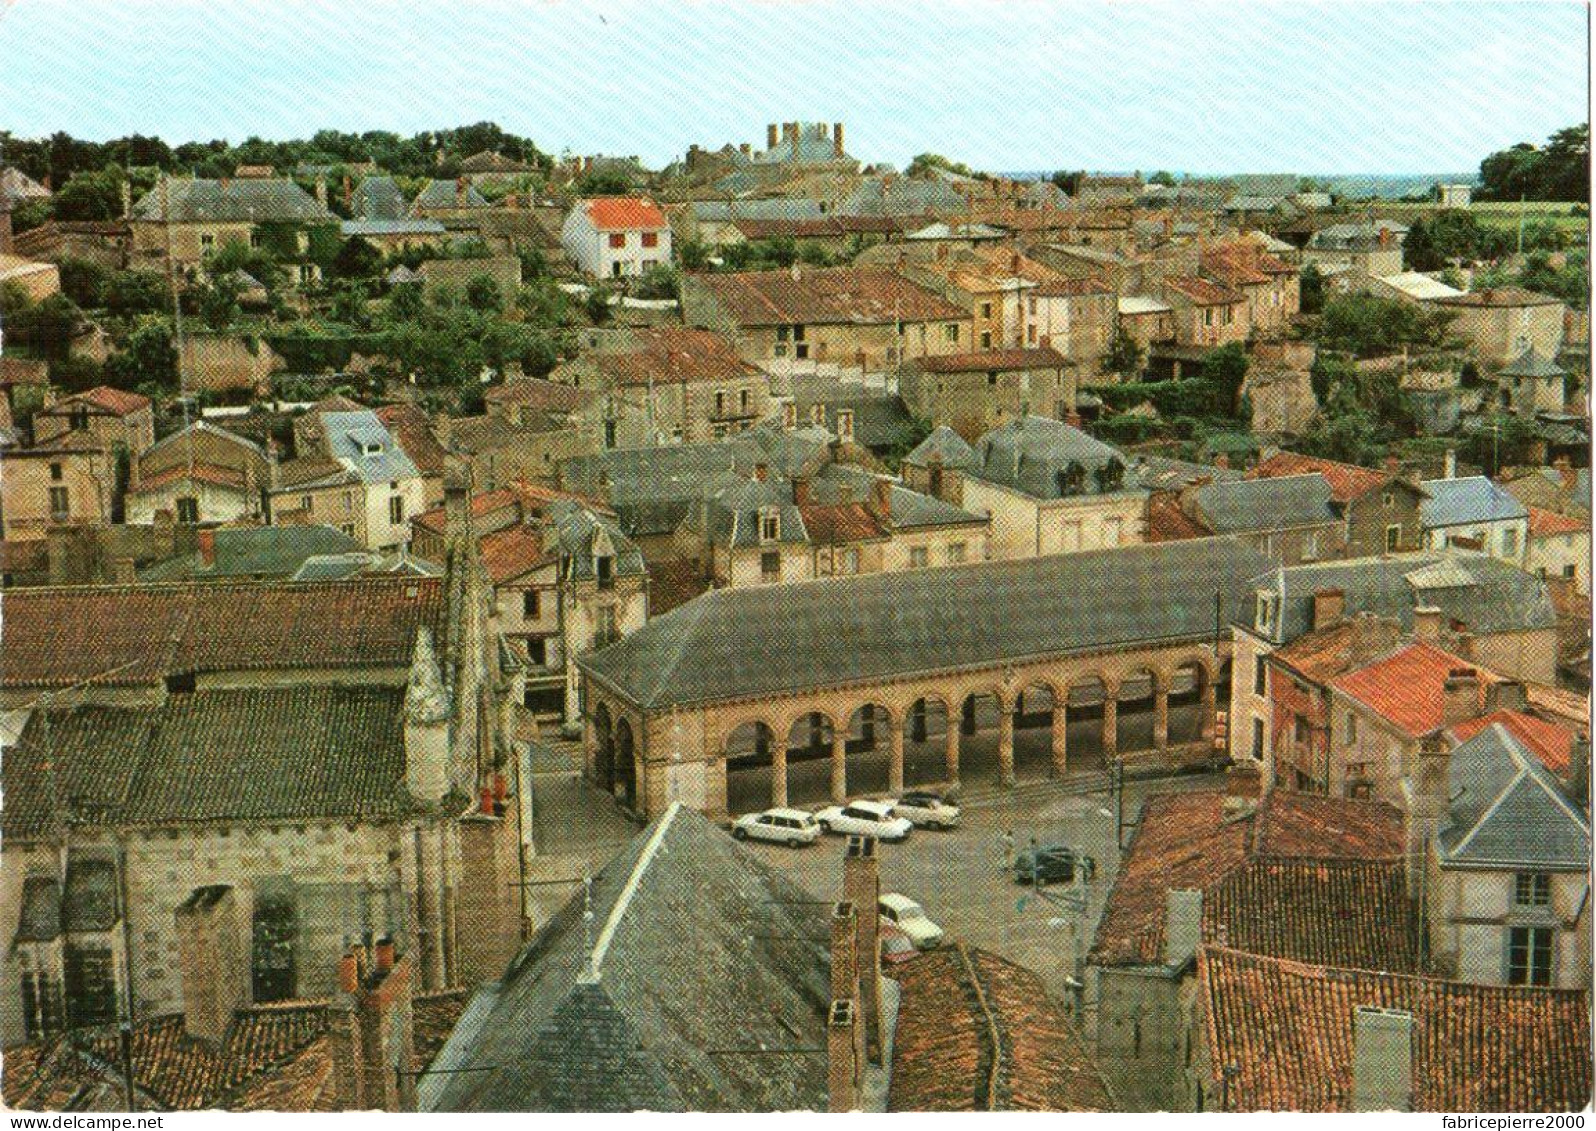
(304, 502)
(531, 609)
(609, 433)
(742, 399)
(1310, 545)
(991, 378)
(78, 419)
(1529, 956)
(1259, 675)
(986, 310)
(1257, 740)
(781, 333)
(955, 553)
(207, 241)
(275, 931)
(1532, 889)
(650, 239)
(720, 404)
(617, 239)
(919, 557)
(986, 339)
(1351, 729)
(1030, 334)
(951, 332)
(187, 510)
(90, 986)
(537, 652)
(1388, 500)
(604, 570)
(801, 350)
(1510, 542)
(606, 632)
(1264, 621)
(850, 561)
(60, 505)
(1300, 730)
(396, 510)
(1393, 538)
(770, 566)
(769, 525)
(1568, 572)
(307, 274)
(41, 1004)
(617, 269)
(55, 472)
(1032, 304)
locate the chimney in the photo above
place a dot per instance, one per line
(213, 962)
(1449, 466)
(745, 149)
(1382, 1059)
(321, 191)
(861, 886)
(1393, 466)
(1014, 263)
(881, 498)
(1073, 419)
(789, 415)
(842, 1057)
(800, 490)
(1385, 237)
(1372, 637)
(844, 952)
(792, 132)
(460, 186)
(225, 181)
(845, 425)
(817, 414)
(1329, 607)
(373, 1035)
(349, 194)
(1506, 695)
(384, 954)
(1460, 696)
(836, 140)
(1183, 926)
(206, 540)
(1427, 624)
(761, 472)
(1579, 770)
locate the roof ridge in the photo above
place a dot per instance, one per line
(623, 901)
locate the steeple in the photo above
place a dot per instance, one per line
(426, 699)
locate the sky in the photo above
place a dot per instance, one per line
(1371, 87)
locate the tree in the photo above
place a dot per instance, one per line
(357, 259)
(1311, 290)
(542, 303)
(29, 214)
(482, 294)
(1069, 181)
(217, 301)
(1162, 177)
(1559, 171)
(693, 254)
(609, 183)
(90, 196)
(147, 358)
(83, 281)
(1125, 356)
(597, 305)
(657, 282)
(256, 262)
(1223, 371)
(136, 292)
(406, 303)
(1370, 326)
(48, 326)
(349, 302)
(924, 163)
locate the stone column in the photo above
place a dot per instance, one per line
(894, 729)
(1207, 718)
(1160, 716)
(1005, 750)
(778, 776)
(1061, 734)
(950, 735)
(1110, 724)
(839, 768)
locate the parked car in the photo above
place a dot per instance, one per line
(896, 947)
(910, 918)
(791, 827)
(869, 818)
(1052, 864)
(926, 810)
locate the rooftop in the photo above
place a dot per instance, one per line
(1251, 505)
(826, 296)
(1406, 687)
(1347, 481)
(1457, 502)
(624, 213)
(252, 200)
(1501, 297)
(983, 361)
(1507, 810)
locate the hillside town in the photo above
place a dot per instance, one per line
(495, 630)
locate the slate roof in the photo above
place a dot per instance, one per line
(902, 196)
(1030, 454)
(1487, 595)
(619, 1014)
(909, 510)
(863, 296)
(378, 198)
(310, 752)
(1531, 364)
(978, 1033)
(678, 473)
(129, 635)
(413, 431)
(579, 531)
(270, 551)
(1457, 502)
(1551, 742)
(1405, 687)
(1252, 505)
(1166, 474)
(1333, 864)
(1287, 1027)
(1508, 810)
(780, 209)
(349, 434)
(238, 199)
(881, 420)
(443, 194)
(943, 443)
(870, 627)
(350, 229)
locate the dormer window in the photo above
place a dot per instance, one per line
(769, 525)
(604, 571)
(370, 448)
(1268, 607)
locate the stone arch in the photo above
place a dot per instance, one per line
(1137, 710)
(1086, 700)
(1190, 687)
(603, 748)
(626, 769)
(749, 751)
(871, 746)
(809, 742)
(1035, 706)
(930, 742)
(984, 725)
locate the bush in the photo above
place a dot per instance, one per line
(136, 292)
(84, 281)
(656, 283)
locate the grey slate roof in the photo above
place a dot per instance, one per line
(731, 513)
(904, 196)
(1165, 474)
(350, 434)
(910, 509)
(352, 228)
(378, 198)
(945, 443)
(1496, 597)
(677, 473)
(1458, 502)
(579, 532)
(1032, 453)
(237, 199)
(735, 643)
(443, 194)
(1531, 364)
(881, 420)
(1508, 810)
(779, 209)
(1253, 505)
(696, 948)
(269, 551)
(309, 752)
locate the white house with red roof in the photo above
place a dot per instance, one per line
(615, 237)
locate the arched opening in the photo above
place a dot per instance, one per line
(868, 744)
(809, 741)
(925, 742)
(748, 752)
(603, 749)
(1136, 710)
(1033, 731)
(980, 719)
(625, 764)
(1186, 703)
(1083, 717)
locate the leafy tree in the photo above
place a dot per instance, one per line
(597, 305)
(657, 282)
(406, 303)
(1162, 177)
(534, 263)
(217, 301)
(1069, 181)
(609, 183)
(90, 196)
(693, 254)
(83, 281)
(48, 326)
(1330, 373)
(482, 293)
(76, 374)
(357, 259)
(1125, 356)
(29, 214)
(147, 358)
(1570, 282)
(1370, 326)
(542, 303)
(924, 163)
(1222, 373)
(1500, 440)
(1559, 171)
(1435, 241)
(136, 292)
(1311, 290)
(256, 262)
(349, 302)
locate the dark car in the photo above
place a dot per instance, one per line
(1052, 864)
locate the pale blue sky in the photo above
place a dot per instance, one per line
(1002, 84)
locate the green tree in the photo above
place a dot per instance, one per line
(482, 294)
(1125, 356)
(136, 292)
(542, 303)
(1162, 177)
(924, 163)
(1222, 373)
(29, 214)
(406, 303)
(147, 357)
(693, 254)
(357, 259)
(349, 302)
(48, 326)
(1370, 326)
(1311, 290)
(83, 281)
(256, 262)
(597, 305)
(609, 183)
(657, 282)
(217, 301)
(90, 196)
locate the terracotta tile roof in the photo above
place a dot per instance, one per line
(543, 396)
(137, 634)
(1287, 1027)
(978, 1033)
(625, 213)
(841, 524)
(1072, 287)
(1167, 522)
(115, 401)
(214, 474)
(512, 553)
(1545, 523)
(1201, 291)
(980, 361)
(826, 296)
(1551, 742)
(672, 355)
(1320, 655)
(1405, 688)
(515, 501)
(1200, 840)
(413, 430)
(1347, 481)
(819, 227)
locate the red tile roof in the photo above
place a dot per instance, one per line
(544, 396)
(1551, 742)
(981, 361)
(1201, 291)
(122, 635)
(1545, 523)
(1167, 522)
(1405, 688)
(826, 296)
(672, 355)
(1347, 481)
(115, 401)
(977, 1033)
(1200, 840)
(625, 213)
(1320, 655)
(1071, 287)
(516, 501)
(673, 582)
(512, 553)
(1287, 1027)
(211, 473)
(840, 524)
(413, 430)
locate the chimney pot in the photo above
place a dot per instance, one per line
(385, 953)
(1382, 1059)
(1460, 697)
(761, 472)
(1427, 624)
(349, 972)
(206, 540)
(842, 1057)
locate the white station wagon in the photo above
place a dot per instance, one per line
(865, 818)
(792, 827)
(910, 918)
(926, 810)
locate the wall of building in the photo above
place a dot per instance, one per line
(1499, 334)
(973, 403)
(1023, 527)
(216, 503)
(88, 478)
(1140, 1030)
(1562, 555)
(1471, 913)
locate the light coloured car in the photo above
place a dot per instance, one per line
(910, 918)
(926, 810)
(792, 827)
(896, 947)
(867, 818)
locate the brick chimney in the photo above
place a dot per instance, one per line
(861, 886)
(1385, 237)
(205, 540)
(1460, 696)
(1427, 624)
(1382, 1059)
(1222, 461)
(844, 951)
(770, 136)
(1505, 695)
(761, 472)
(372, 1033)
(843, 1062)
(1329, 607)
(881, 498)
(213, 961)
(837, 149)
(789, 415)
(845, 425)
(800, 490)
